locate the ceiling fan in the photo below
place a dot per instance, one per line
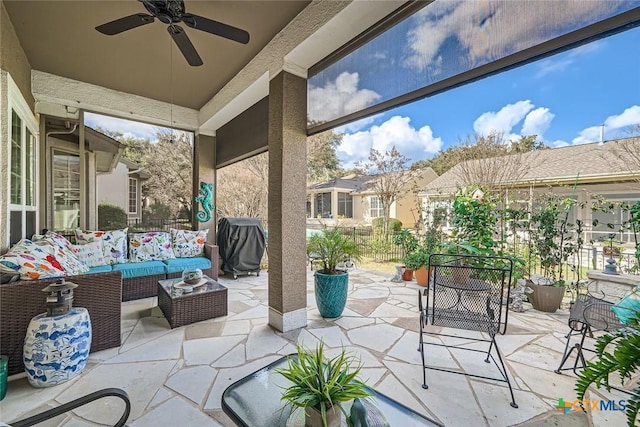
(171, 12)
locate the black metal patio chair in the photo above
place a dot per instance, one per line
(469, 293)
(588, 315)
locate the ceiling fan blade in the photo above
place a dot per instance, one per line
(185, 45)
(214, 27)
(124, 24)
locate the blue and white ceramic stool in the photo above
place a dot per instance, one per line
(56, 348)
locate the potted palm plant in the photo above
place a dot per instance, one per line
(320, 385)
(331, 247)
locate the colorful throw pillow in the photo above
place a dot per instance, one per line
(628, 307)
(56, 239)
(150, 246)
(114, 243)
(188, 244)
(91, 254)
(60, 247)
(31, 261)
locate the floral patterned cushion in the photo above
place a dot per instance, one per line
(60, 247)
(31, 261)
(150, 246)
(188, 244)
(114, 243)
(56, 239)
(91, 254)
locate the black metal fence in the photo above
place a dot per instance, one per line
(590, 258)
(158, 225)
(373, 244)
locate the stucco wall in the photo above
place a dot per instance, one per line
(12, 61)
(113, 188)
(12, 57)
(408, 205)
(4, 164)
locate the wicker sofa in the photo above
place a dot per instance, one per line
(100, 293)
(147, 286)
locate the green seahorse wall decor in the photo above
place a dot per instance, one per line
(205, 199)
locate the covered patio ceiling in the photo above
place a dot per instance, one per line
(140, 74)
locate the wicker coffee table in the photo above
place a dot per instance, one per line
(205, 302)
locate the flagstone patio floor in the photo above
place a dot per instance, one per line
(175, 377)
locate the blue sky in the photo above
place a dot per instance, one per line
(563, 99)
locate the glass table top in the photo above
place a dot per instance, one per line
(174, 292)
(254, 401)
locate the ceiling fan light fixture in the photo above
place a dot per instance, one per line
(171, 12)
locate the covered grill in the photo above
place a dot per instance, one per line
(241, 242)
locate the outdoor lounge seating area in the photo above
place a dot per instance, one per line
(177, 376)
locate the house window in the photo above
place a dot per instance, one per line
(133, 196)
(22, 168)
(345, 205)
(66, 190)
(375, 207)
(323, 205)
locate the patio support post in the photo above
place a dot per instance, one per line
(204, 170)
(287, 200)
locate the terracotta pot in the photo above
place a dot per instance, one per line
(407, 276)
(422, 276)
(545, 298)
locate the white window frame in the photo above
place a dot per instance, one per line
(377, 209)
(62, 150)
(17, 103)
(137, 202)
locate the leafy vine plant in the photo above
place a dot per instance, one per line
(555, 236)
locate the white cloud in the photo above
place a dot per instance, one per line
(537, 122)
(339, 98)
(629, 117)
(559, 143)
(552, 65)
(549, 66)
(357, 125)
(397, 131)
(477, 27)
(503, 120)
(128, 128)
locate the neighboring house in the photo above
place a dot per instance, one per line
(610, 169)
(353, 197)
(123, 187)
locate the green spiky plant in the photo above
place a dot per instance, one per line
(625, 359)
(321, 382)
(332, 247)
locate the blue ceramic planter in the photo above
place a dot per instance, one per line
(56, 348)
(331, 293)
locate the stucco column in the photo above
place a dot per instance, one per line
(287, 199)
(204, 170)
(334, 204)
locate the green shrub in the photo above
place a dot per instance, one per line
(111, 217)
(395, 225)
(156, 212)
